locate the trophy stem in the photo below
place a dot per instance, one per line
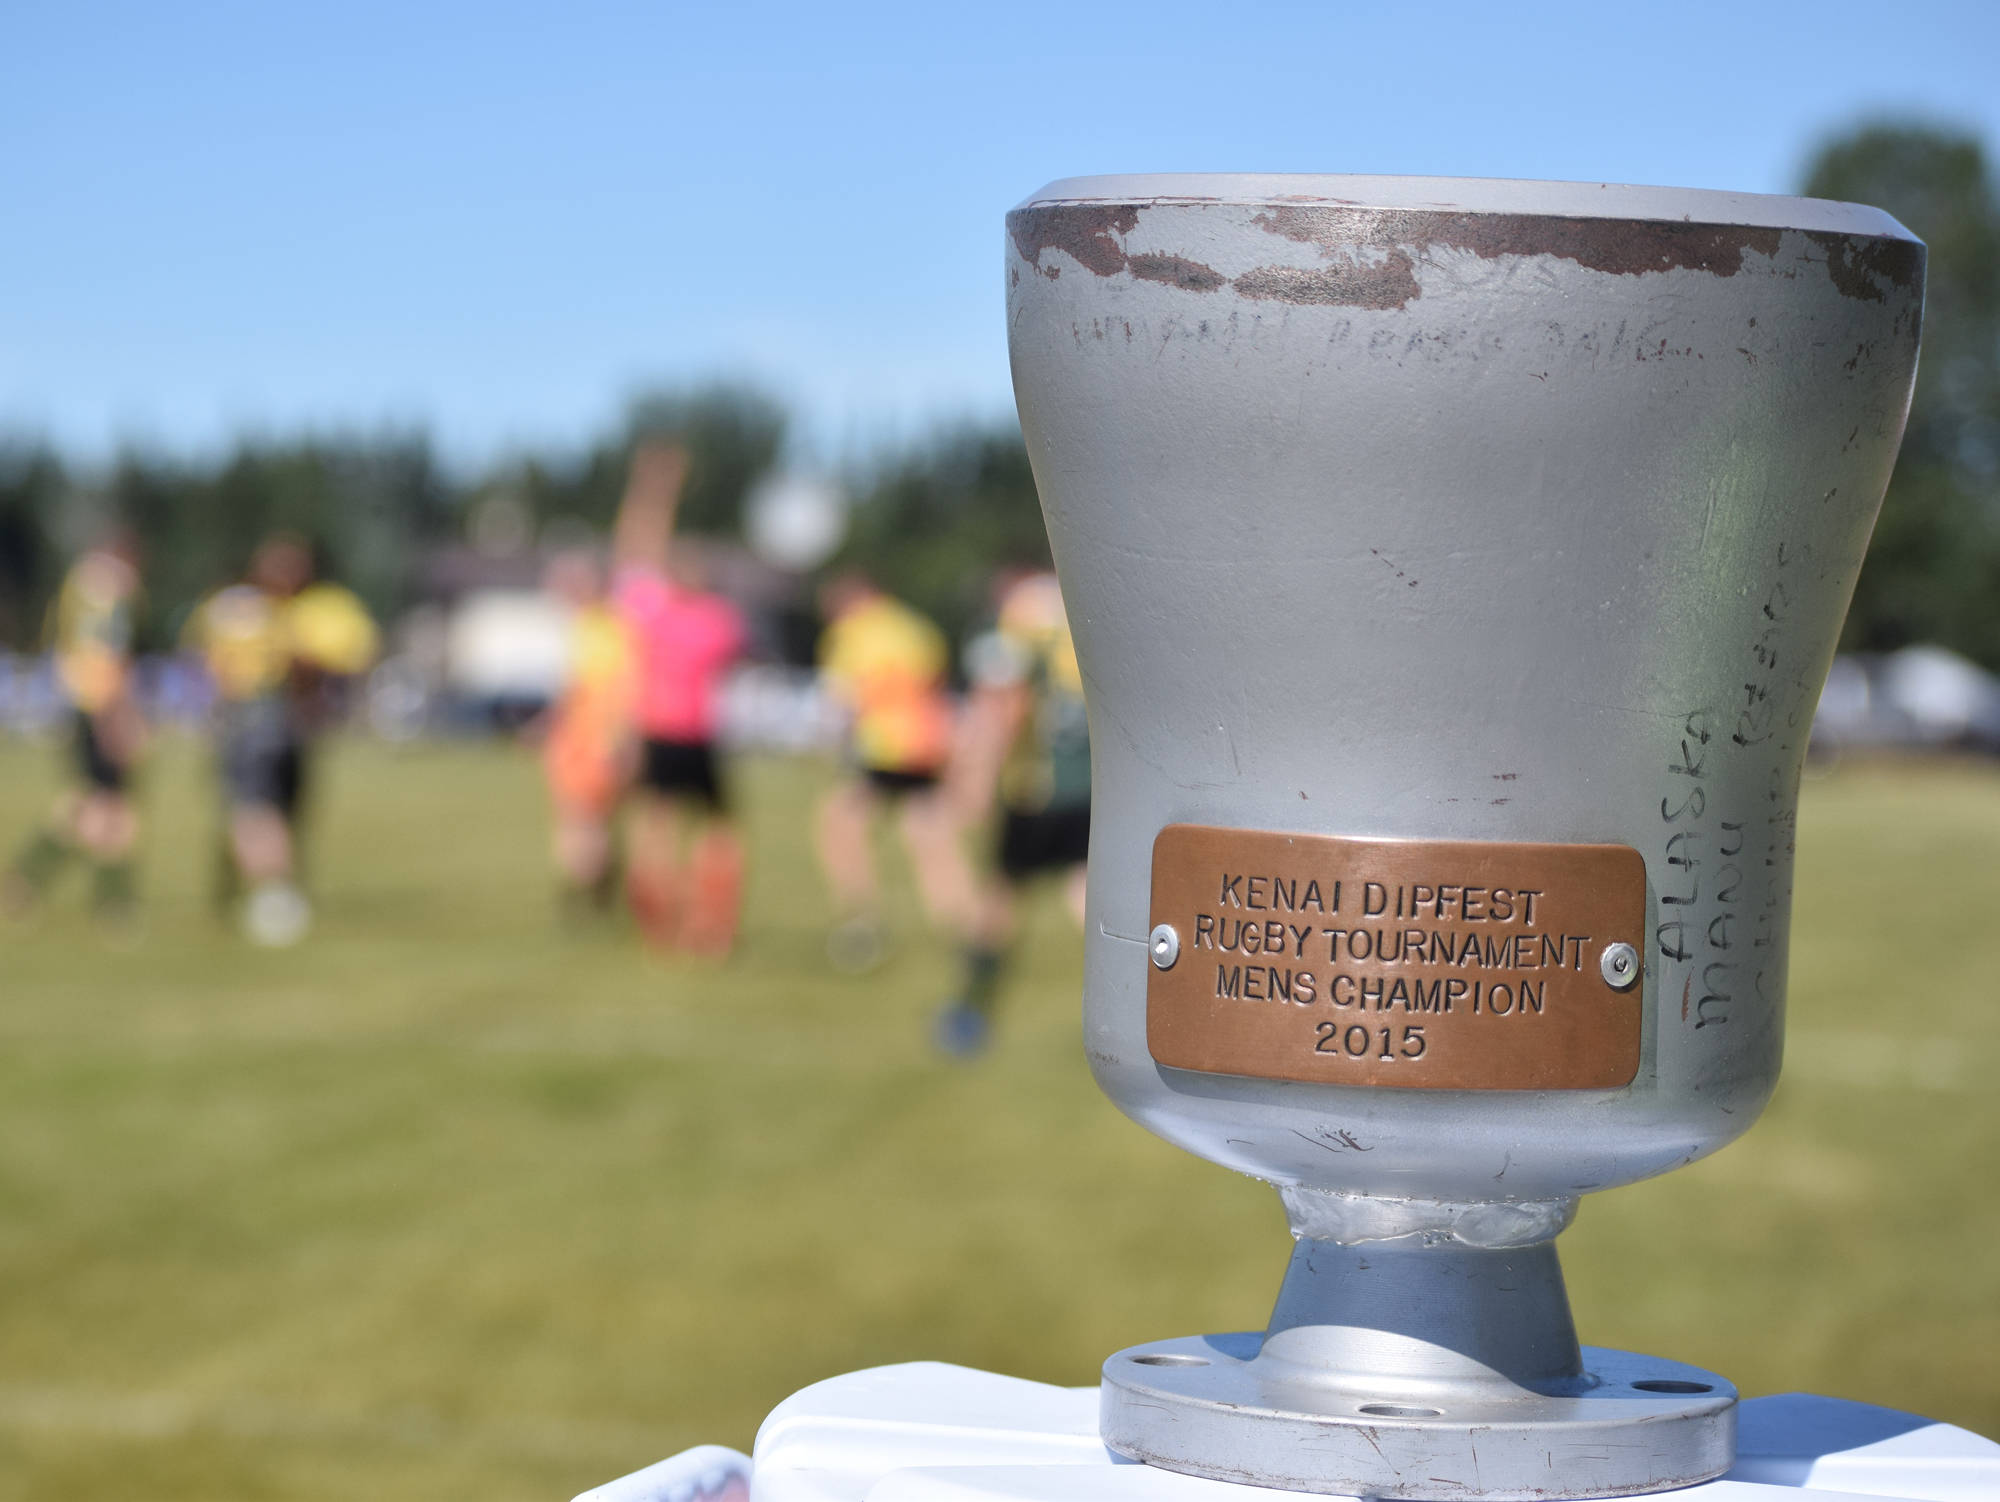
(1411, 1320)
(1419, 1368)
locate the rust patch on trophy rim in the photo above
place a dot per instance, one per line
(1417, 964)
(1352, 238)
(1087, 232)
(1857, 266)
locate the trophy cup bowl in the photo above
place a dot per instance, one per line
(1454, 567)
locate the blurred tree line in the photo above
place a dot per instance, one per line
(936, 523)
(733, 434)
(931, 522)
(369, 506)
(1933, 570)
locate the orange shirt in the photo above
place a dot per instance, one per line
(587, 730)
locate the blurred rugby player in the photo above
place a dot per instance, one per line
(585, 751)
(685, 872)
(90, 628)
(1026, 744)
(885, 664)
(278, 647)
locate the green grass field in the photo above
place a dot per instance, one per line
(450, 1203)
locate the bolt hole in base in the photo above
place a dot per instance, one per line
(1398, 1411)
(1663, 1384)
(1169, 1359)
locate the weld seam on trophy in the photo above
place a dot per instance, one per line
(1454, 567)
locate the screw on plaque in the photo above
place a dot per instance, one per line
(1165, 944)
(1619, 965)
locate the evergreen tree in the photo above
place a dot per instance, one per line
(1933, 572)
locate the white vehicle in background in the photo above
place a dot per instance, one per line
(1922, 698)
(506, 652)
(497, 657)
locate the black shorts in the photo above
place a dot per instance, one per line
(100, 769)
(682, 769)
(1051, 840)
(263, 756)
(891, 783)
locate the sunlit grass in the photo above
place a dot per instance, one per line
(453, 1202)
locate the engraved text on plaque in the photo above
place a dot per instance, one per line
(1440, 964)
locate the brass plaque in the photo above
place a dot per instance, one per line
(1426, 964)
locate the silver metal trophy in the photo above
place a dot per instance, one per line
(1454, 567)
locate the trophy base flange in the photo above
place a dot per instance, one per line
(1214, 1406)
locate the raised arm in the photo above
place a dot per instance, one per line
(652, 496)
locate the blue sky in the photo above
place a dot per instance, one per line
(498, 220)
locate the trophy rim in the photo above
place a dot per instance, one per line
(1470, 195)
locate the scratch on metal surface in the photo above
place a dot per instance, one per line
(1176, 271)
(1390, 283)
(1341, 1142)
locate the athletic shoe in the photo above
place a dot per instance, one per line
(855, 947)
(962, 1031)
(716, 901)
(656, 906)
(17, 896)
(276, 915)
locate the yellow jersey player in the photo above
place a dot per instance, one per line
(1027, 747)
(91, 631)
(276, 647)
(885, 665)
